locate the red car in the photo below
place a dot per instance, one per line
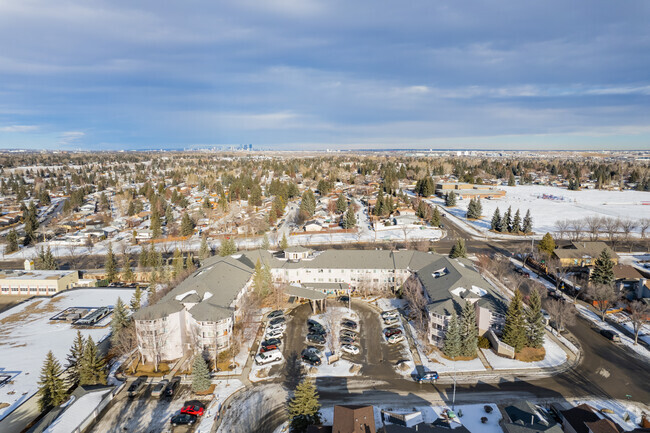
(268, 348)
(389, 332)
(193, 410)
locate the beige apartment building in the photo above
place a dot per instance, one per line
(32, 282)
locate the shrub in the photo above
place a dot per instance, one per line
(484, 343)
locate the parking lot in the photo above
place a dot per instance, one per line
(145, 414)
(377, 358)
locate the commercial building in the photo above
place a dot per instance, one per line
(32, 282)
(468, 190)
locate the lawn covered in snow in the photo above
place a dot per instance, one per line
(555, 356)
(567, 204)
(27, 334)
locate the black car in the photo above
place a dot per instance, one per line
(311, 322)
(278, 320)
(349, 324)
(347, 340)
(317, 330)
(316, 338)
(274, 314)
(271, 342)
(137, 386)
(345, 299)
(170, 389)
(610, 335)
(183, 419)
(311, 359)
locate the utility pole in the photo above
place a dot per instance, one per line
(453, 399)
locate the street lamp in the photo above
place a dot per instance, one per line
(453, 398)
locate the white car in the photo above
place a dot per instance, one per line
(275, 333)
(267, 357)
(387, 314)
(349, 348)
(391, 320)
(280, 326)
(396, 338)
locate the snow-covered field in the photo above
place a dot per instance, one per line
(555, 356)
(625, 340)
(568, 205)
(26, 335)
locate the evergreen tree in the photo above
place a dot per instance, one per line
(528, 223)
(266, 245)
(177, 263)
(516, 222)
(468, 331)
(51, 387)
(200, 374)
(511, 180)
(458, 250)
(12, 242)
(258, 278)
(547, 244)
(227, 247)
(92, 368)
(119, 321)
(379, 204)
(603, 272)
(156, 228)
(127, 272)
(496, 221)
(204, 249)
(308, 203)
(474, 208)
(452, 346)
(535, 321)
(341, 204)
(450, 199)
(187, 225)
(110, 266)
(74, 358)
(349, 220)
(136, 299)
(506, 222)
(435, 217)
(304, 407)
(514, 331)
(284, 243)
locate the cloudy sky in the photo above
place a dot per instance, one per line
(316, 74)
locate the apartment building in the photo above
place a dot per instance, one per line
(199, 314)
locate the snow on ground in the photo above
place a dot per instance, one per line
(386, 304)
(442, 365)
(568, 205)
(625, 340)
(555, 356)
(619, 407)
(77, 413)
(471, 416)
(223, 390)
(256, 369)
(26, 335)
(340, 368)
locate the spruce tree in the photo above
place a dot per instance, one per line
(514, 331)
(468, 331)
(547, 244)
(349, 220)
(458, 250)
(110, 265)
(506, 222)
(304, 407)
(204, 249)
(187, 225)
(51, 387)
(528, 223)
(511, 180)
(127, 272)
(156, 228)
(227, 247)
(200, 374)
(136, 299)
(284, 243)
(12, 242)
(178, 263)
(258, 281)
(516, 222)
(452, 345)
(450, 199)
(119, 321)
(603, 272)
(92, 368)
(74, 358)
(341, 204)
(535, 321)
(496, 221)
(435, 217)
(266, 245)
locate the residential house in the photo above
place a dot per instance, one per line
(583, 253)
(525, 417)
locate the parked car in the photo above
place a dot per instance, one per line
(391, 320)
(271, 342)
(193, 409)
(311, 359)
(269, 348)
(316, 339)
(345, 299)
(392, 331)
(351, 349)
(280, 326)
(349, 324)
(428, 376)
(395, 338)
(275, 333)
(346, 340)
(275, 314)
(312, 322)
(348, 333)
(610, 335)
(267, 357)
(317, 330)
(137, 386)
(312, 349)
(159, 388)
(522, 272)
(278, 320)
(386, 314)
(183, 419)
(170, 389)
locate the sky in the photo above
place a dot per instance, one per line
(325, 74)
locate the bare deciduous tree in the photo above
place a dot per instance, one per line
(611, 227)
(602, 295)
(417, 302)
(333, 317)
(627, 226)
(594, 224)
(562, 313)
(639, 315)
(644, 224)
(576, 227)
(561, 228)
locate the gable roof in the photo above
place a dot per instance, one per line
(578, 250)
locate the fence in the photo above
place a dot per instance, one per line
(501, 347)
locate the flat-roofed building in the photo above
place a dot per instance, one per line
(31, 283)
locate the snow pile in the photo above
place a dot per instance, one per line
(386, 304)
(555, 356)
(223, 390)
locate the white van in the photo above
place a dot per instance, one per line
(267, 357)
